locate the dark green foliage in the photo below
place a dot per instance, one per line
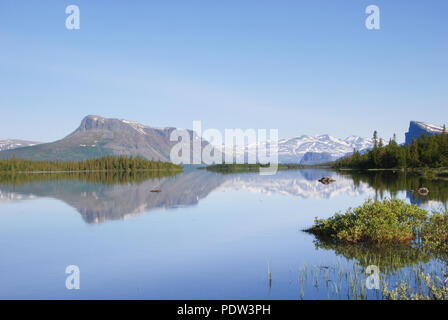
(435, 232)
(426, 151)
(389, 222)
(106, 163)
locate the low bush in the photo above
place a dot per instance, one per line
(385, 221)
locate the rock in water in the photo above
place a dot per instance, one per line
(423, 191)
(326, 180)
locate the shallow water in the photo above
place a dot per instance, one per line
(204, 236)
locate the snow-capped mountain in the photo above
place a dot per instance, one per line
(294, 150)
(9, 144)
(310, 149)
(97, 136)
(417, 128)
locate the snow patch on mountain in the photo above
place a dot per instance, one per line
(292, 150)
(9, 144)
(140, 128)
(429, 127)
(417, 128)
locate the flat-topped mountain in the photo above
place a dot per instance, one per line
(97, 136)
(9, 144)
(417, 128)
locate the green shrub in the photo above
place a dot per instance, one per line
(435, 231)
(377, 222)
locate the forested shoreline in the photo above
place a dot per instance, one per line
(424, 152)
(107, 163)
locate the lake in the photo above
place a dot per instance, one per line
(203, 236)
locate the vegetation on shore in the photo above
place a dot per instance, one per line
(428, 289)
(349, 281)
(244, 167)
(106, 163)
(424, 152)
(388, 221)
(392, 235)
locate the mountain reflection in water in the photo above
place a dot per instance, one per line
(100, 197)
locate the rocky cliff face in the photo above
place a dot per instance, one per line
(417, 128)
(124, 137)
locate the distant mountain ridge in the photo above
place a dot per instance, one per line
(417, 128)
(9, 144)
(97, 136)
(300, 149)
(313, 149)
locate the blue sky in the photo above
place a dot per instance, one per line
(304, 67)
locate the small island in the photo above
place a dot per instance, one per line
(386, 222)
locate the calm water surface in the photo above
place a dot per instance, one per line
(204, 236)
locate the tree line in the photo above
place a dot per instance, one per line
(425, 151)
(106, 163)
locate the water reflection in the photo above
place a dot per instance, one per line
(389, 183)
(302, 184)
(101, 197)
(388, 258)
(391, 258)
(188, 253)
